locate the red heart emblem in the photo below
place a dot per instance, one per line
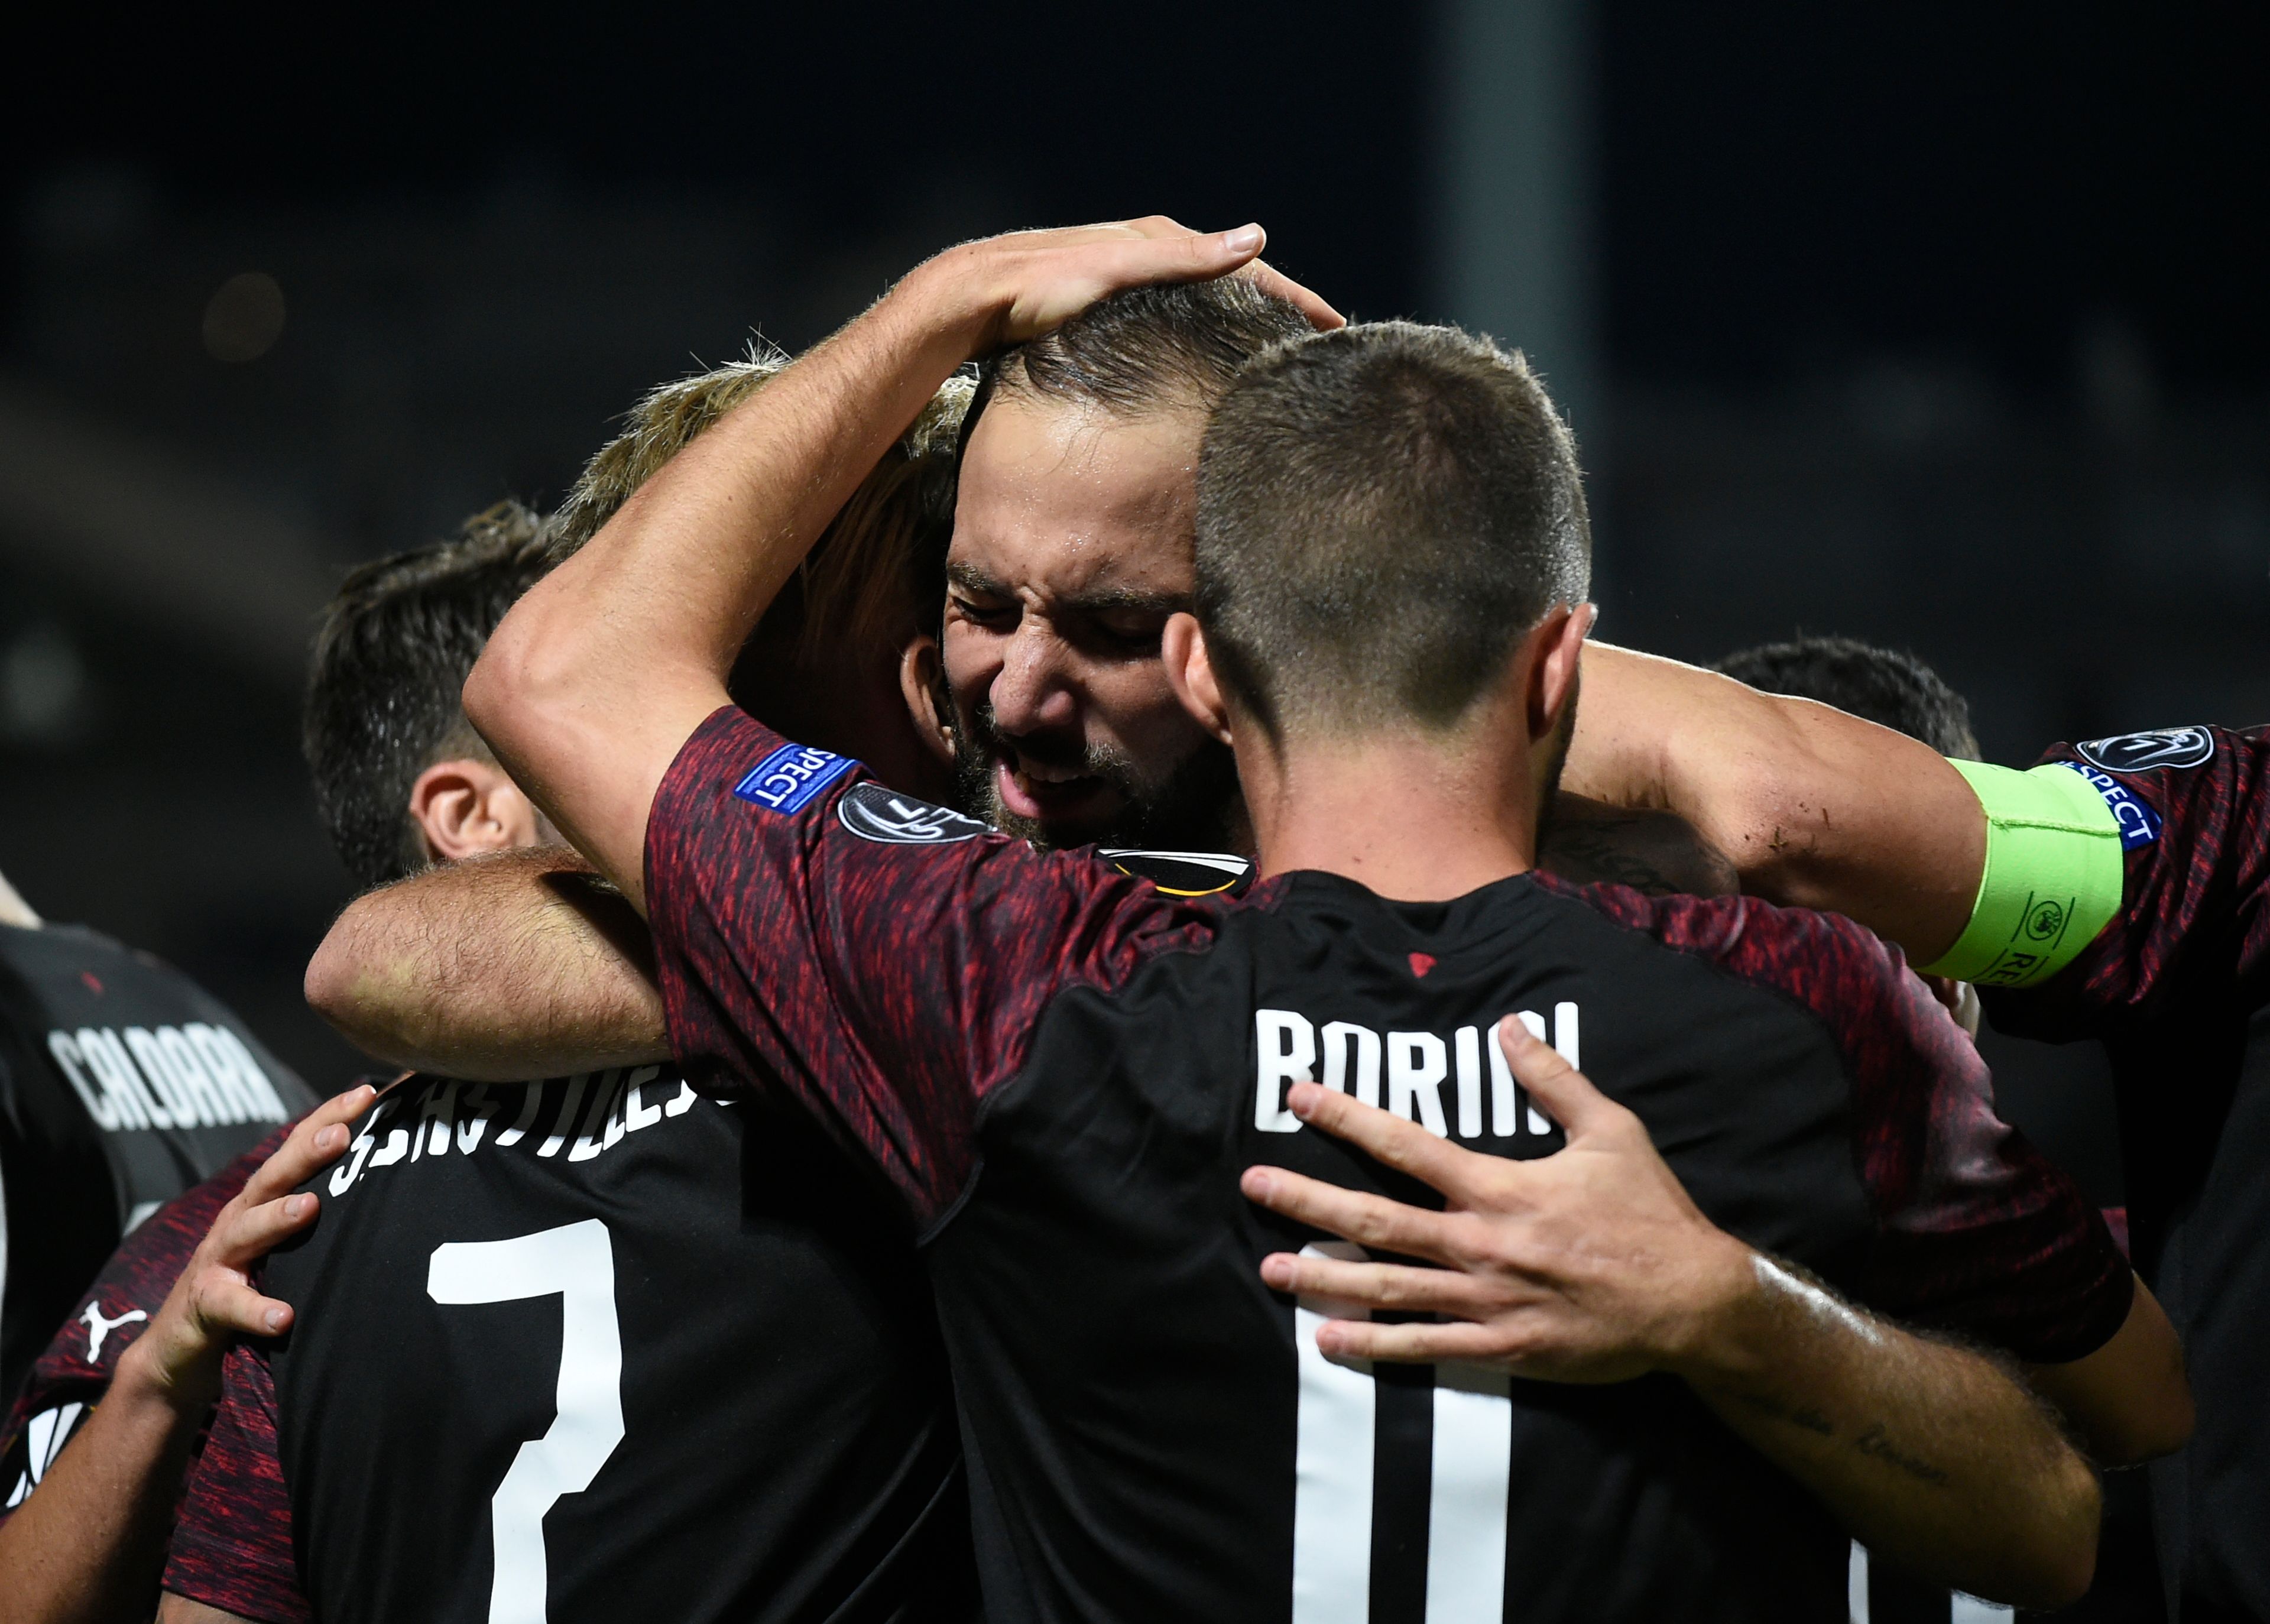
(1421, 962)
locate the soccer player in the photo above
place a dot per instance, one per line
(2114, 891)
(587, 1348)
(123, 1083)
(1063, 1071)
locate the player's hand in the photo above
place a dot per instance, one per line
(1020, 285)
(213, 1303)
(1591, 1265)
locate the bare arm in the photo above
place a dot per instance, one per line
(2130, 1401)
(89, 1546)
(522, 964)
(1814, 808)
(1594, 1266)
(181, 1610)
(591, 684)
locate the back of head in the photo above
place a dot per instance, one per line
(1883, 686)
(390, 659)
(1164, 346)
(1384, 513)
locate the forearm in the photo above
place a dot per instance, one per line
(1814, 808)
(90, 1545)
(1928, 1454)
(2130, 1401)
(496, 970)
(596, 676)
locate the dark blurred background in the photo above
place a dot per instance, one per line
(1938, 325)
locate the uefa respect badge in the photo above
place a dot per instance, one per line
(791, 778)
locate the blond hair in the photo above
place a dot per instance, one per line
(868, 577)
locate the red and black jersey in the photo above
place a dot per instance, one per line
(122, 1084)
(74, 1372)
(585, 1350)
(2177, 987)
(1062, 1071)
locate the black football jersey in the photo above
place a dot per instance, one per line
(586, 1350)
(1064, 1070)
(122, 1084)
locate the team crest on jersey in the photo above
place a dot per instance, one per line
(873, 812)
(791, 778)
(2155, 747)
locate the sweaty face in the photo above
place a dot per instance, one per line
(1072, 546)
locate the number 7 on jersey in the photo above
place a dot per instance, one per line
(577, 1262)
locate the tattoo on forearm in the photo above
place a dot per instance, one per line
(1875, 1443)
(1799, 1415)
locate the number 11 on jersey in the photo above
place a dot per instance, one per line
(1334, 1470)
(577, 1262)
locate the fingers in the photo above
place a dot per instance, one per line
(1399, 1286)
(245, 1236)
(1275, 283)
(225, 1302)
(1372, 1221)
(316, 1143)
(1560, 1089)
(1399, 1143)
(1414, 1342)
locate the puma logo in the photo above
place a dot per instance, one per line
(99, 1328)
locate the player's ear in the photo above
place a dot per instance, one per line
(921, 684)
(465, 807)
(1190, 673)
(1554, 650)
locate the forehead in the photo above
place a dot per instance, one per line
(1058, 497)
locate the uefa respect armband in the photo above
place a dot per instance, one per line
(2052, 879)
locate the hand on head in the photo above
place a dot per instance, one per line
(1037, 280)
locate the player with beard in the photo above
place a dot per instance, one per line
(1061, 545)
(530, 1309)
(1138, 1463)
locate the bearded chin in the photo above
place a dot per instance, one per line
(1197, 808)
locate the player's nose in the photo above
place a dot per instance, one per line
(1034, 691)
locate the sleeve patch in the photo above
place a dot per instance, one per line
(792, 777)
(874, 812)
(2139, 824)
(2152, 748)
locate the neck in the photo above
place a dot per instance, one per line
(1412, 816)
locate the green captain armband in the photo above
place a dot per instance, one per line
(2052, 880)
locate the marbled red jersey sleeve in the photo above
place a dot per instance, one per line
(881, 961)
(2195, 921)
(233, 1535)
(70, 1378)
(1976, 1232)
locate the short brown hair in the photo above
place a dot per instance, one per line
(1383, 513)
(880, 565)
(1168, 344)
(391, 656)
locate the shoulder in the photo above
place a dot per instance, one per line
(2161, 778)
